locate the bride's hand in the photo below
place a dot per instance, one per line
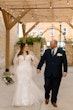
(12, 74)
(38, 71)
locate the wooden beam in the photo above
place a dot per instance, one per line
(46, 30)
(7, 50)
(9, 24)
(9, 20)
(70, 24)
(17, 19)
(24, 37)
(33, 8)
(25, 33)
(6, 18)
(31, 28)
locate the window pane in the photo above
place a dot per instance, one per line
(65, 31)
(51, 32)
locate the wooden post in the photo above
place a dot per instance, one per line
(26, 33)
(60, 36)
(24, 37)
(7, 50)
(9, 24)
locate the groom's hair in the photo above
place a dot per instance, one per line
(54, 41)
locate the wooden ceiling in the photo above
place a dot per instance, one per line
(40, 10)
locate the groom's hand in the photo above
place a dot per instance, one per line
(64, 74)
(38, 71)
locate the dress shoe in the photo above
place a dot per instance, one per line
(54, 104)
(46, 101)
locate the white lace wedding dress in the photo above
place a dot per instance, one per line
(26, 91)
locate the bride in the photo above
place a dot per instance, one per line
(26, 91)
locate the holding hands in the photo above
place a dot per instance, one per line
(38, 71)
(64, 74)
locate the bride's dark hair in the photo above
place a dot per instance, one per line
(21, 49)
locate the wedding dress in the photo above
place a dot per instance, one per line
(26, 91)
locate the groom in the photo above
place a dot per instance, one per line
(55, 59)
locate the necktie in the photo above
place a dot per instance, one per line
(52, 52)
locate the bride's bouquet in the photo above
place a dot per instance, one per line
(8, 79)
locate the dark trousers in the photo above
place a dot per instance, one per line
(52, 84)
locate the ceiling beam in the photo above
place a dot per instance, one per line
(52, 11)
(6, 18)
(20, 8)
(17, 19)
(24, 37)
(70, 24)
(31, 28)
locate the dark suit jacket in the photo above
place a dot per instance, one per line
(54, 63)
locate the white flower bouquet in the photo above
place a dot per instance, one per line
(8, 79)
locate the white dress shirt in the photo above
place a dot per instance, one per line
(55, 50)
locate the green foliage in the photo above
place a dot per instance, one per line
(30, 40)
(20, 40)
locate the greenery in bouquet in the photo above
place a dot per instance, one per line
(8, 79)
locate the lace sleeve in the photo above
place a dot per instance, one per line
(34, 59)
(15, 57)
(15, 64)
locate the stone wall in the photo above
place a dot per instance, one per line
(13, 40)
(36, 49)
(2, 35)
(69, 53)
